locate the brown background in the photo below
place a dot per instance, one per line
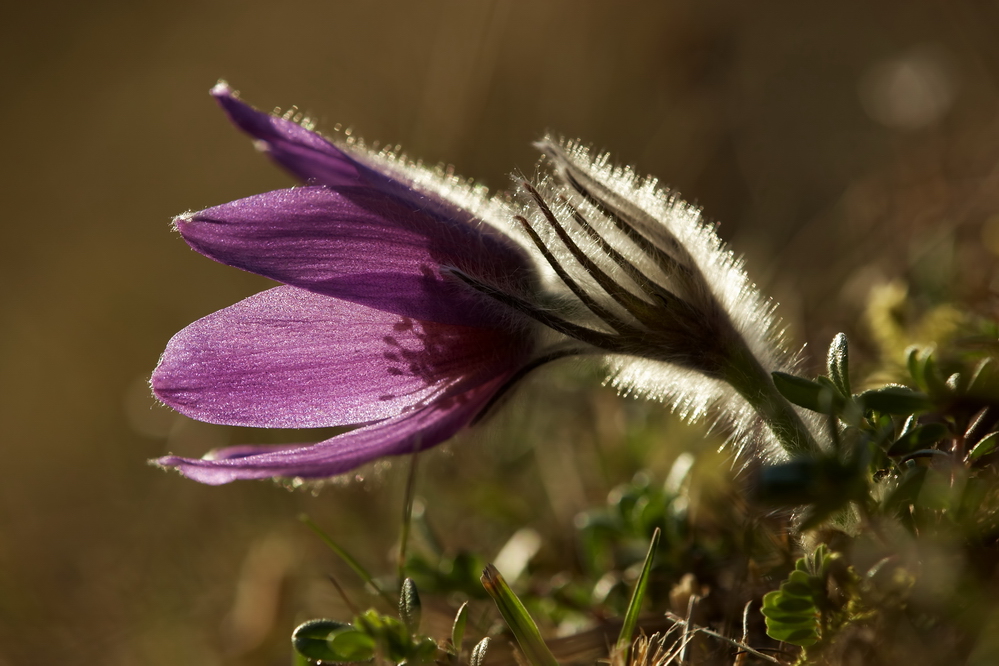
(838, 144)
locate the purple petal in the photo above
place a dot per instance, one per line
(289, 358)
(316, 160)
(417, 430)
(361, 246)
(306, 154)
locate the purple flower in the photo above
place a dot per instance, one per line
(411, 301)
(376, 322)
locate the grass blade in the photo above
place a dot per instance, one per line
(637, 596)
(347, 558)
(517, 618)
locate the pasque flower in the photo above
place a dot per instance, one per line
(411, 301)
(370, 326)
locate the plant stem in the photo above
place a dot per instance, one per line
(755, 384)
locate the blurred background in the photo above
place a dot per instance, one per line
(839, 146)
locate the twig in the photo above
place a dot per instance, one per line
(714, 634)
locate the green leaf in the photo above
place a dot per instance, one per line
(388, 633)
(984, 383)
(920, 437)
(915, 361)
(838, 363)
(458, 628)
(792, 612)
(925, 453)
(311, 639)
(479, 652)
(907, 490)
(803, 635)
(423, 651)
(831, 400)
(908, 426)
(935, 384)
(349, 644)
(637, 596)
(798, 584)
(985, 446)
(800, 391)
(517, 618)
(409, 606)
(895, 400)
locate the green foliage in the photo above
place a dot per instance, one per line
(370, 634)
(478, 656)
(458, 628)
(905, 491)
(637, 597)
(312, 639)
(448, 574)
(838, 363)
(949, 414)
(800, 611)
(517, 618)
(410, 608)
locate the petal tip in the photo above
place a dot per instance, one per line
(178, 222)
(222, 89)
(188, 468)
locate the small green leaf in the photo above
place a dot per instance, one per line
(831, 400)
(800, 391)
(935, 384)
(299, 659)
(388, 633)
(793, 605)
(915, 361)
(984, 382)
(798, 584)
(925, 453)
(895, 400)
(311, 639)
(409, 606)
(423, 651)
(479, 652)
(792, 613)
(908, 426)
(803, 635)
(920, 437)
(349, 644)
(517, 618)
(637, 596)
(838, 363)
(458, 628)
(985, 446)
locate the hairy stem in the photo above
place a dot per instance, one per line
(754, 383)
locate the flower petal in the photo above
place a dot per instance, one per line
(360, 246)
(290, 358)
(440, 194)
(305, 153)
(417, 430)
(314, 159)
